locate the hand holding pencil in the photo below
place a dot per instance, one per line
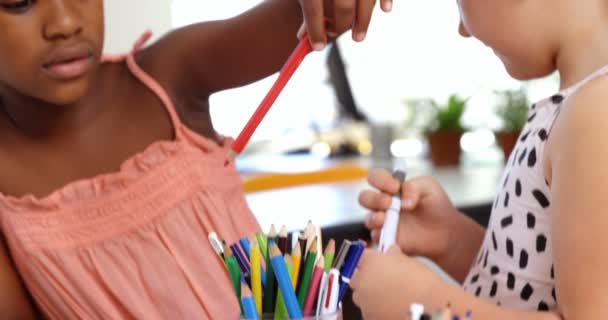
(428, 222)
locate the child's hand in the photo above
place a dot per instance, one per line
(385, 285)
(341, 14)
(427, 214)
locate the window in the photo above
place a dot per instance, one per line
(415, 51)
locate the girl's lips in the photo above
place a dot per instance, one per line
(69, 63)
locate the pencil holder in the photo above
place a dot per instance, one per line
(333, 316)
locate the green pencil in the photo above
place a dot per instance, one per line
(234, 272)
(270, 290)
(262, 242)
(311, 258)
(330, 251)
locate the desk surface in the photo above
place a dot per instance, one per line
(336, 204)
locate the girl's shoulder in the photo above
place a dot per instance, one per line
(582, 120)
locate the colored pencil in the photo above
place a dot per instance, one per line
(270, 289)
(280, 311)
(314, 288)
(302, 239)
(234, 272)
(245, 246)
(280, 271)
(256, 275)
(297, 258)
(272, 234)
(282, 240)
(307, 273)
(339, 259)
(262, 242)
(216, 244)
(329, 254)
(249, 309)
(242, 261)
(295, 59)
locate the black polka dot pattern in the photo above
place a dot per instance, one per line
(485, 259)
(531, 220)
(518, 188)
(522, 156)
(506, 221)
(509, 247)
(475, 278)
(523, 259)
(541, 243)
(514, 266)
(510, 281)
(526, 292)
(557, 99)
(532, 158)
(541, 198)
(493, 289)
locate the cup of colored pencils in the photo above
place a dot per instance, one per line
(285, 276)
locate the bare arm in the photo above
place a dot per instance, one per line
(208, 57)
(13, 298)
(577, 157)
(579, 180)
(469, 237)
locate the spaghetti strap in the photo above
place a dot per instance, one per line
(147, 80)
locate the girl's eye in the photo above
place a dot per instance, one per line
(17, 6)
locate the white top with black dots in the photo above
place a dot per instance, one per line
(514, 266)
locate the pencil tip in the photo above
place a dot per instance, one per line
(283, 232)
(245, 291)
(273, 249)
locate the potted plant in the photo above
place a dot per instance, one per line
(443, 128)
(512, 109)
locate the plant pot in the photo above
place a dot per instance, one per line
(445, 147)
(507, 141)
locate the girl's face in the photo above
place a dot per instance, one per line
(50, 49)
(519, 32)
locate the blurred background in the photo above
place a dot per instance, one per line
(414, 95)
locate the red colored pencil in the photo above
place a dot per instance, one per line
(314, 287)
(295, 59)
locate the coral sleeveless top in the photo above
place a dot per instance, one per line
(133, 244)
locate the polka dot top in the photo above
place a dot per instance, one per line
(514, 266)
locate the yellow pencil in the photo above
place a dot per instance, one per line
(256, 276)
(296, 255)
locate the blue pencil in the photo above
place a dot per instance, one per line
(240, 258)
(249, 309)
(245, 245)
(280, 271)
(242, 261)
(350, 264)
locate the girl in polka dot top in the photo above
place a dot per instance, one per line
(543, 254)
